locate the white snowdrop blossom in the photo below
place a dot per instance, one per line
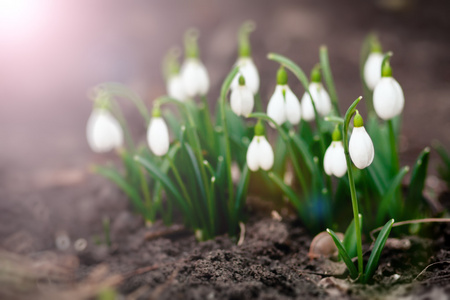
(247, 69)
(321, 101)
(175, 87)
(158, 136)
(284, 106)
(259, 154)
(388, 98)
(103, 131)
(334, 162)
(195, 77)
(372, 69)
(360, 145)
(242, 99)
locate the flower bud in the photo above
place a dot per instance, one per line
(388, 97)
(158, 134)
(321, 99)
(372, 69)
(103, 131)
(361, 145)
(259, 153)
(241, 99)
(284, 105)
(334, 162)
(249, 71)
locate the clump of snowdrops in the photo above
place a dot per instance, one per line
(203, 170)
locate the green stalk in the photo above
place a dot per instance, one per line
(209, 125)
(350, 112)
(120, 90)
(328, 76)
(223, 94)
(393, 143)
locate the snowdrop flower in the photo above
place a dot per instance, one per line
(103, 131)
(175, 87)
(246, 65)
(320, 96)
(284, 105)
(174, 81)
(194, 75)
(372, 69)
(360, 146)
(242, 99)
(334, 162)
(388, 98)
(158, 134)
(259, 153)
(247, 69)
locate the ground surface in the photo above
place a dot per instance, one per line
(271, 263)
(45, 186)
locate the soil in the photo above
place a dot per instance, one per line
(46, 190)
(272, 263)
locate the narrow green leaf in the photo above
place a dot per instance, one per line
(165, 181)
(343, 253)
(292, 196)
(241, 190)
(350, 238)
(195, 165)
(328, 76)
(113, 175)
(372, 264)
(387, 203)
(417, 183)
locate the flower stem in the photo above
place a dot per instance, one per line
(348, 116)
(393, 144)
(209, 124)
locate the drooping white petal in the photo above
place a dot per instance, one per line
(361, 148)
(158, 136)
(195, 77)
(372, 69)
(103, 131)
(247, 69)
(276, 107)
(175, 88)
(242, 100)
(388, 98)
(292, 107)
(339, 166)
(252, 155)
(307, 108)
(265, 154)
(321, 101)
(325, 102)
(328, 160)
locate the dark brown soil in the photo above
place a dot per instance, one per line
(271, 263)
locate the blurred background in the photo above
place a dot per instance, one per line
(52, 52)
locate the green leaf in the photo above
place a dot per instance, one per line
(156, 172)
(372, 264)
(388, 202)
(132, 193)
(417, 183)
(326, 71)
(195, 165)
(241, 190)
(290, 194)
(343, 253)
(350, 237)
